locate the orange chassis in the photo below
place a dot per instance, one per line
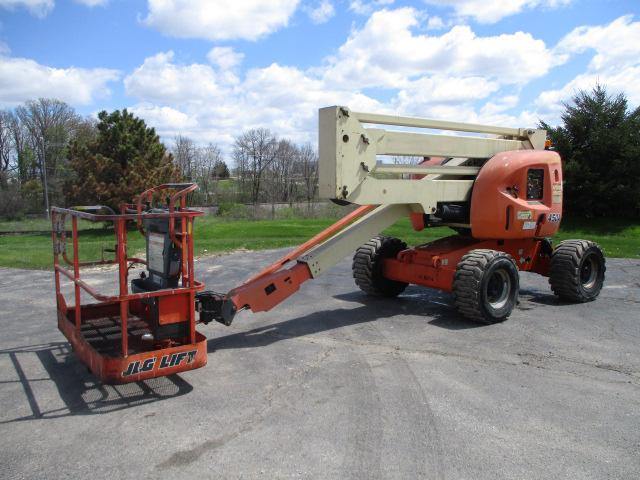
(434, 265)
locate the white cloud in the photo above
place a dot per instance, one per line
(322, 12)
(93, 3)
(426, 92)
(203, 103)
(622, 81)
(39, 8)
(158, 79)
(364, 7)
(23, 79)
(157, 115)
(451, 75)
(615, 64)
(220, 20)
(435, 23)
(616, 44)
(225, 57)
(492, 11)
(4, 48)
(386, 52)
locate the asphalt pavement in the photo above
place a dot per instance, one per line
(335, 385)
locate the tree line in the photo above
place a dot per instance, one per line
(49, 154)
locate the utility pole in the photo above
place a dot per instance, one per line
(44, 174)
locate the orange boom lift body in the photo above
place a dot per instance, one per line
(504, 206)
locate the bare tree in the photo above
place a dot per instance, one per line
(282, 173)
(184, 155)
(207, 170)
(50, 124)
(22, 149)
(6, 147)
(307, 163)
(254, 151)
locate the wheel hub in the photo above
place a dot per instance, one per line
(589, 272)
(498, 288)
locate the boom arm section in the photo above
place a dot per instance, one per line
(349, 169)
(276, 283)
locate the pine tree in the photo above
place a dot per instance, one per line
(125, 158)
(599, 143)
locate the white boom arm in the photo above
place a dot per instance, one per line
(349, 168)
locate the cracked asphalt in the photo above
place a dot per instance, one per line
(333, 384)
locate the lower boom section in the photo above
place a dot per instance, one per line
(275, 284)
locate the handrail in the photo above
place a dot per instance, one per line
(126, 216)
(185, 189)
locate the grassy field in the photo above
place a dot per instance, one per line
(619, 238)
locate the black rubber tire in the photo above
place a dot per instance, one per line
(577, 270)
(367, 266)
(480, 276)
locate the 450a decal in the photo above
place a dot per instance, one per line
(166, 361)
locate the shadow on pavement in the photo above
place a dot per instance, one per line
(80, 392)
(434, 306)
(541, 298)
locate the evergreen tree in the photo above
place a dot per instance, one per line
(124, 159)
(599, 143)
(220, 169)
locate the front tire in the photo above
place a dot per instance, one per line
(367, 266)
(486, 285)
(577, 270)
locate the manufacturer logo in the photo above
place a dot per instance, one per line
(166, 361)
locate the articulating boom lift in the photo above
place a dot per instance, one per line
(501, 193)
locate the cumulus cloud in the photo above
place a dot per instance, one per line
(494, 10)
(23, 79)
(422, 94)
(200, 101)
(322, 12)
(615, 63)
(436, 23)
(158, 79)
(616, 44)
(226, 19)
(93, 3)
(225, 57)
(364, 7)
(386, 52)
(39, 8)
(159, 115)
(451, 75)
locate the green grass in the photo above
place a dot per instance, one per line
(619, 238)
(39, 225)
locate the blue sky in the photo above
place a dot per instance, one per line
(209, 69)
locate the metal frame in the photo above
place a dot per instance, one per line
(349, 168)
(72, 318)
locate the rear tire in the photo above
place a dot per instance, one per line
(486, 285)
(577, 270)
(367, 266)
